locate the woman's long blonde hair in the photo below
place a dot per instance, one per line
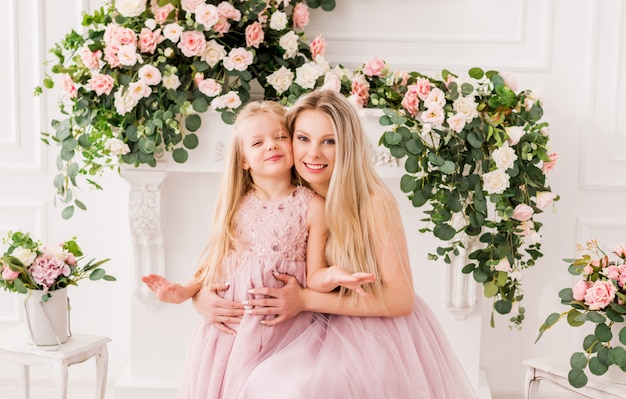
(234, 184)
(356, 195)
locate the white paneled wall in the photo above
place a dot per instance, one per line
(574, 49)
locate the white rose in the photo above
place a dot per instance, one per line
(289, 42)
(331, 82)
(207, 15)
(116, 146)
(433, 115)
(533, 238)
(281, 79)
(150, 23)
(26, 256)
(456, 122)
(172, 32)
(229, 100)
(278, 21)
(307, 74)
(55, 251)
(467, 107)
(536, 94)
(495, 182)
(171, 82)
(130, 8)
(504, 157)
(128, 55)
(150, 75)
(514, 134)
(213, 53)
(436, 98)
(139, 90)
(124, 102)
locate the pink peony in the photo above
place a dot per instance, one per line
(46, 270)
(68, 86)
(600, 295)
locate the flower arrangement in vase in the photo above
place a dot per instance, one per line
(27, 265)
(598, 297)
(475, 146)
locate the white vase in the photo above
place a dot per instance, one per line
(47, 323)
(615, 374)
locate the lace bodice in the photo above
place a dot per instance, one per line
(274, 228)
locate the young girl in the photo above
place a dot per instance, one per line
(264, 224)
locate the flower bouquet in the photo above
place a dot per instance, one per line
(28, 265)
(597, 297)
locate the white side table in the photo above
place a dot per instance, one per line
(555, 370)
(77, 349)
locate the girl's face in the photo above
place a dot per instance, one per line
(314, 149)
(266, 147)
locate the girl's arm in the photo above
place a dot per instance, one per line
(171, 292)
(320, 276)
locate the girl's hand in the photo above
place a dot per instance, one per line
(217, 310)
(164, 290)
(285, 302)
(339, 276)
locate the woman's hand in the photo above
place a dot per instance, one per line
(217, 310)
(338, 276)
(285, 302)
(164, 290)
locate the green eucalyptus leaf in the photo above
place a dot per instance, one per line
(577, 378)
(193, 122)
(180, 155)
(190, 141)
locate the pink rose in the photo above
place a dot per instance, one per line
(228, 11)
(254, 35)
(161, 13)
(580, 289)
(318, 47)
(374, 67)
(191, 5)
(222, 26)
(522, 212)
(612, 272)
(411, 101)
(148, 40)
(101, 84)
(300, 15)
(8, 274)
(331, 82)
(600, 295)
(209, 87)
(621, 280)
(422, 87)
(110, 55)
(549, 165)
(620, 250)
(360, 88)
(192, 43)
(544, 199)
(68, 86)
(91, 59)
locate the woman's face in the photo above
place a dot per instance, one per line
(314, 149)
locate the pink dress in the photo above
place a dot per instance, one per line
(273, 236)
(313, 356)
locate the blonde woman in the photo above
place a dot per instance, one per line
(387, 344)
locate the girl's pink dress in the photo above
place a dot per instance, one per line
(314, 356)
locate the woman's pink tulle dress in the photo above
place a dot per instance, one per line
(313, 356)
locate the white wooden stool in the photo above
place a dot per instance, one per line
(77, 349)
(555, 370)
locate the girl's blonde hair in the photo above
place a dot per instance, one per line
(357, 198)
(234, 184)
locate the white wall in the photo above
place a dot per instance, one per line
(574, 49)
